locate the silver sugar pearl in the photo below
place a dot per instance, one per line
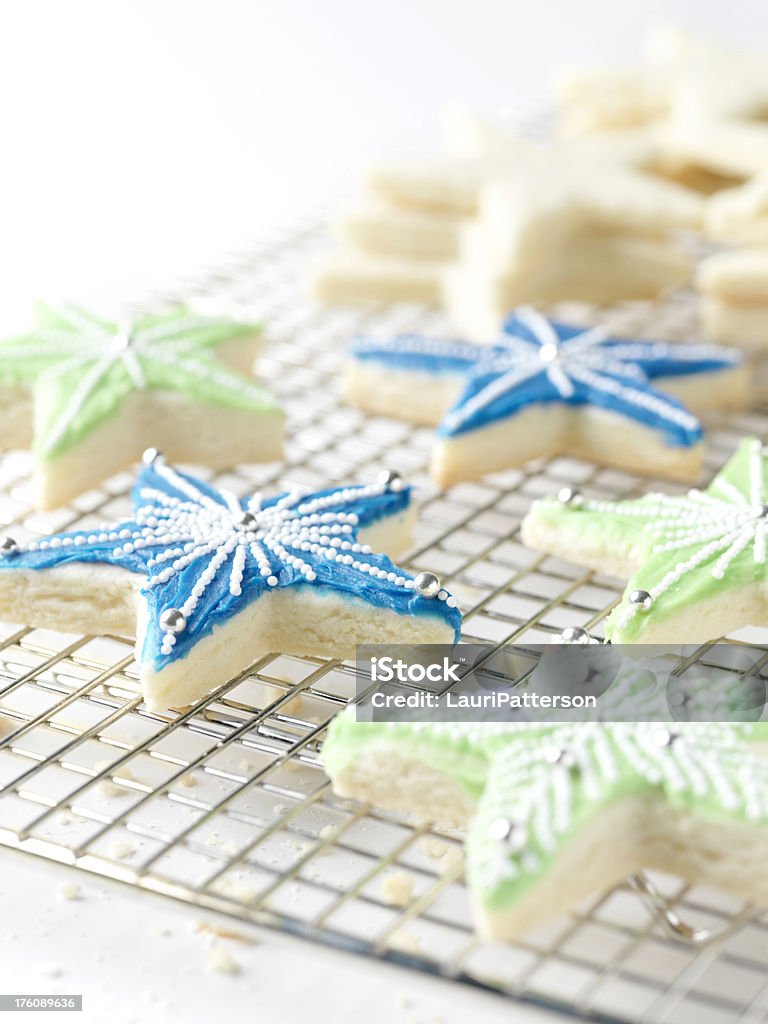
(570, 496)
(426, 584)
(503, 830)
(560, 756)
(151, 456)
(172, 621)
(246, 519)
(8, 545)
(664, 738)
(123, 339)
(391, 479)
(641, 598)
(575, 635)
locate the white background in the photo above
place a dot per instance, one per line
(136, 140)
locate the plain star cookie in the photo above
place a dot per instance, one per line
(734, 298)
(558, 813)
(568, 227)
(209, 583)
(544, 389)
(89, 396)
(739, 216)
(696, 562)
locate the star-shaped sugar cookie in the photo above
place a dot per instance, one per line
(208, 582)
(688, 799)
(696, 562)
(717, 112)
(546, 388)
(89, 396)
(558, 813)
(568, 226)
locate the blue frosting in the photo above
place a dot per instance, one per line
(581, 368)
(176, 515)
(684, 431)
(411, 352)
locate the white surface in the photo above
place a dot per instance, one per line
(139, 139)
(138, 959)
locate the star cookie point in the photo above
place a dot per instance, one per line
(696, 562)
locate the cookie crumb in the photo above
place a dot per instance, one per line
(452, 857)
(221, 961)
(406, 942)
(433, 848)
(69, 891)
(120, 849)
(108, 786)
(237, 890)
(397, 889)
(327, 832)
(189, 780)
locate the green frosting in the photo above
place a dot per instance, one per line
(82, 368)
(684, 550)
(536, 785)
(462, 752)
(546, 787)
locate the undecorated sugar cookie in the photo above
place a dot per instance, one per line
(568, 226)
(734, 298)
(89, 396)
(739, 216)
(696, 562)
(208, 582)
(546, 388)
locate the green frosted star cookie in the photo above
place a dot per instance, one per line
(696, 562)
(557, 813)
(570, 812)
(90, 396)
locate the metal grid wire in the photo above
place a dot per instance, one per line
(225, 805)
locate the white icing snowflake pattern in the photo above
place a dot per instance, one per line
(582, 362)
(83, 342)
(199, 548)
(540, 780)
(284, 540)
(702, 524)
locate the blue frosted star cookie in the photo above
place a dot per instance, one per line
(546, 388)
(208, 582)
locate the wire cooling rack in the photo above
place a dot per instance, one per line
(225, 805)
